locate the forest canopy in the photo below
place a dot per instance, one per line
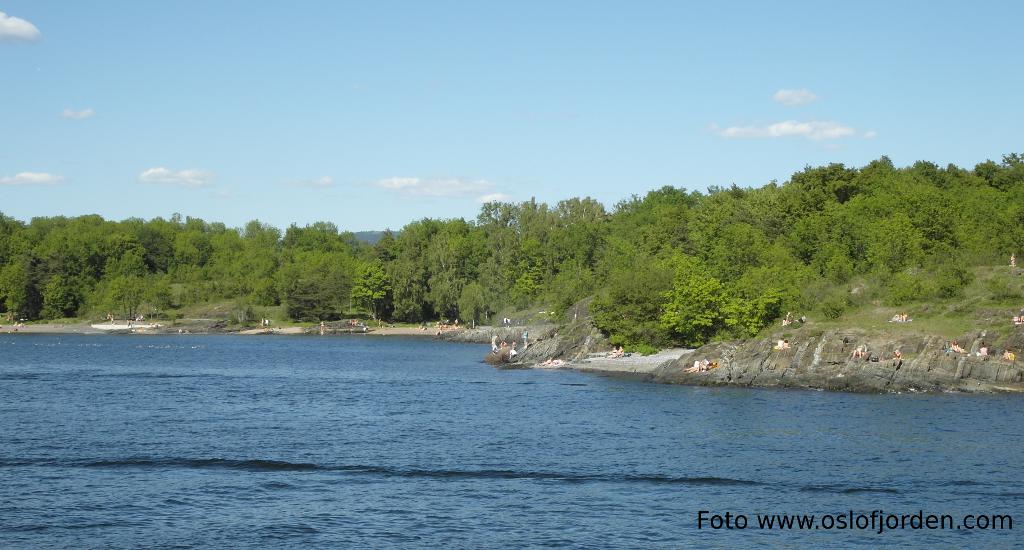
(670, 267)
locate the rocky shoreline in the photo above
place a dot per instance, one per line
(826, 361)
(820, 360)
(813, 360)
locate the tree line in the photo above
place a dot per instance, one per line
(669, 267)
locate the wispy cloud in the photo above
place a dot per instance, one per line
(316, 183)
(184, 178)
(435, 187)
(494, 197)
(870, 134)
(483, 190)
(31, 178)
(814, 130)
(77, 115)
(16, 28)
(794, 98)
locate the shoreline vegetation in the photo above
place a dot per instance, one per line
(875, 278)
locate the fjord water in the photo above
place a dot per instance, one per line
(242, 441)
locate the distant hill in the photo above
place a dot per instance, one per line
(368, 237)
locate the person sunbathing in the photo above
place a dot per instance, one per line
(1009, 355)
(698, 366)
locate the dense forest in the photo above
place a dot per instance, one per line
(670, 267)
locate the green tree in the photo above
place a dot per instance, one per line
(472, 304)
(125, 295)
(372, 288)
(629, 303)
(61, 297)
(696, 306)
(19, 290)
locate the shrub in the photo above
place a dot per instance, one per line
(905, 288)
(642, 349)
(834, 305)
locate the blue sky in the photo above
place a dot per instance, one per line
(373, 114)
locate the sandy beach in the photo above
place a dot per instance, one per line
(49, 328)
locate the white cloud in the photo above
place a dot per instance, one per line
(77, 115)
(814, 130)
(184, 178)
(493, 197)
(317, 183)
(31, 178)
(794, 98)
(870, 134)
(15, 28)
(436, 187)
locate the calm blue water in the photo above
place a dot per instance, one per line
(214, 441)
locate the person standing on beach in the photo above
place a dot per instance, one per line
(526, 334)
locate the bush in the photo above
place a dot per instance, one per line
(1002, 289)
(905, 288)
(834, 305)
(642, 349)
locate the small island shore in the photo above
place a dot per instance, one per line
(813, 360)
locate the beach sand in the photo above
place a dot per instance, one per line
(48, 328)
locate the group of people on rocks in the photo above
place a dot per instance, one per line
(788, 319)
(900, 318)
(504, 345)
(702, 366)
(984, 352)
(616, 352)
(861, 352)
(446, 326)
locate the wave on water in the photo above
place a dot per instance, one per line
(259, 465)
(147, 375)
(19, 376)
(169, 346)
(847, 490)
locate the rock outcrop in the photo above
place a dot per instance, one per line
(570, 342)
(825, 361)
